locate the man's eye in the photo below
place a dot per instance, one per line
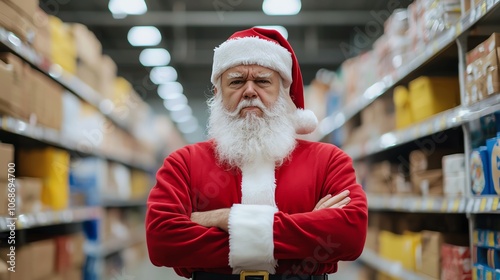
(236, 82)
(263, 81)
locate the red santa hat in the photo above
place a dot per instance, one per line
(267, 48)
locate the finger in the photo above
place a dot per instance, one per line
(337, 198)
(321, 201)
(342, 203)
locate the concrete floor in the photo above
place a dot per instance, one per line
(146, 270)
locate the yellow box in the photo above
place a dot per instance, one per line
(52, 166)
(402, 106)
(140, 184)
(63, 51)
(431, 95)
(400, 248)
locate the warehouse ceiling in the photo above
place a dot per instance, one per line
(323, 35)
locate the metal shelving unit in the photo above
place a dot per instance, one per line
(49, 218)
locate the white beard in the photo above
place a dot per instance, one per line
(240, 141)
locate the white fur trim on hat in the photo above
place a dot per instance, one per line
(304, 121)
(252, 50)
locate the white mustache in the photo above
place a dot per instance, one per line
(248, 103)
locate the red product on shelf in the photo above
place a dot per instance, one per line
(456, 262)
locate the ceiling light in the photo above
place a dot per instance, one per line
(181, 114)
(281, 7)
(122, 8)
(189, 126)
(144, 36)
(171, 87)
(175, 104)
(281, 29)
(164, 74)
(166, 93)
(154, 57)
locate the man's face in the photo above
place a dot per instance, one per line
(249, 82)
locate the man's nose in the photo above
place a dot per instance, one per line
(249, 91)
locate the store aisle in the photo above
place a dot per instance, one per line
(146, 270)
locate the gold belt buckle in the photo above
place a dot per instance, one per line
(263, 273)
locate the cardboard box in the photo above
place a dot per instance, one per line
(6, 157)
(42, 42)
(88, 75)
(18, 24)
(17, 97)
(432, 95)
(88, 47)
(29, 194)
(25, 7)
(52, 166)
(108, 71)
(430, 263)
(429, 182)
(44, 256)
(24, 262)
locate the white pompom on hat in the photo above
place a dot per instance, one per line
(266, 48)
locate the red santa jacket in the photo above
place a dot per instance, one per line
(305, 242)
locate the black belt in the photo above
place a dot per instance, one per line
(201, 275)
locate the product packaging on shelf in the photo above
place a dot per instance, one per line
(493, 146)
(28, 194)
(402, 105)
(456, 262)
(17, 90)
(454, 174)
(16, 21)
(430, 260)
(483, 78)
(6, 157)
(25, 7)
(431, 95)
(63, 45)
(480, 171)
(52, 166)
(401, 248)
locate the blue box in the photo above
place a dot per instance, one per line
(494, 156)
(480, 171)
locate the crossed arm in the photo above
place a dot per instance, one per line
(219, 217)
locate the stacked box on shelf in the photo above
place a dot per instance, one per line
(63, 50)
(89, 51)
(454, 174)
(42, 42)
(402, 107)
(52, 166)
(400, 248)
(486, 254)
(18, 18)
(483, 76)
(14, 76)
(6, 157)
(456, 262)
(431, 95)
(33, 261)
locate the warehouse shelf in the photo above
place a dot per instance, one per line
(108, 247)
(72, 83)
(48, 218)
(440, 122)
(54, 137)
(418, 203)
(337, 119)
(109, 202)
(430, 204)
(392, 268)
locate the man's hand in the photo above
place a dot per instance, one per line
(329, 201)
(213, 218)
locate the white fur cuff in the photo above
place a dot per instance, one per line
(305, 121)
(251, 245)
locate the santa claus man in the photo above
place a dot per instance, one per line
(255, 202)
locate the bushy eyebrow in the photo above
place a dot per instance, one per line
(264, 75)
(233, 75)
